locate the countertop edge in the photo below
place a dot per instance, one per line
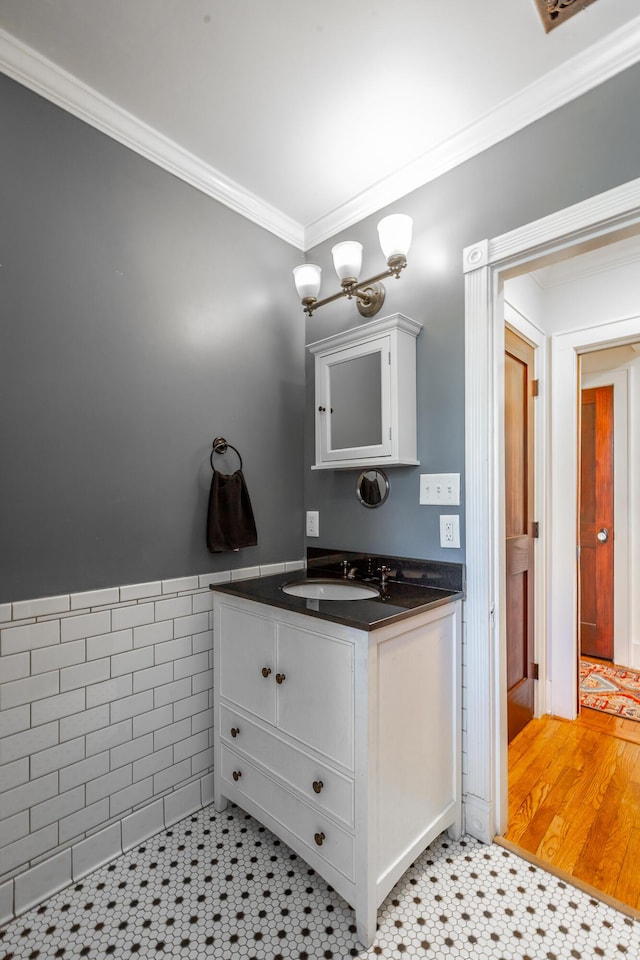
(236, 590)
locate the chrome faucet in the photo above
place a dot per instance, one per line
(383, 571)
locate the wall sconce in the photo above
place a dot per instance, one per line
(394, 233)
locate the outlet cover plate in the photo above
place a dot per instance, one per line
(449, 530)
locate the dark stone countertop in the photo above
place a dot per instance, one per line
(409, 589)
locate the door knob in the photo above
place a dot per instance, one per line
(317, 786)
(603, 535)
(236, 775)
(319, 838)
(235, 731)
(280, 678)
(266, 671)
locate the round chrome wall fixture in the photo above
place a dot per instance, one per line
(372, 488)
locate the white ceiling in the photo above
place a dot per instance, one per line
(306, 115)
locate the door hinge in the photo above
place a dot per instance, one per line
(389, 433)
(535, 530)
(389, 358)
(534, 672)
(535, 388)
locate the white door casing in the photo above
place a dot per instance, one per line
(486, 264)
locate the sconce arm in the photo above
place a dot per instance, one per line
(362, 289)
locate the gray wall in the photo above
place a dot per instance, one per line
(587, 147)
(139, 319)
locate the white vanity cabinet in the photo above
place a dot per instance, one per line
(345, 743)
(365, 395)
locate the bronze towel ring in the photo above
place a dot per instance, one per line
(221, 446)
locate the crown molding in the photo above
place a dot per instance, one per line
(600, 62)
(44, 77)
(582, 73)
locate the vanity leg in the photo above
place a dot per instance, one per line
(366, 925)
(219, 802)
(455, 830)
(366, 933)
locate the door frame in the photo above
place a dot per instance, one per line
(574, 230)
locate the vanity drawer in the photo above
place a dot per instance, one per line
(322, 786)
(321, 836)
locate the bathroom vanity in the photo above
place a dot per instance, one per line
(337, 725)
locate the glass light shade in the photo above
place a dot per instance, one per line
(347, 259)
(307, 280)
(394, 233)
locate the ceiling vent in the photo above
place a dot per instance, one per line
(555, 12)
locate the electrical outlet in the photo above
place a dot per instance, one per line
(442, 488)
(313, 523)
(449, 530)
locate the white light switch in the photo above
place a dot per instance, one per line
(440, 488)
(313, 523)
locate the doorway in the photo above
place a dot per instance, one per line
(590, 224)
(573, 783)
(596, 528)
(519, 460)
(617, 369)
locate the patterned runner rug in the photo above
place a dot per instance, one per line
(610, 689)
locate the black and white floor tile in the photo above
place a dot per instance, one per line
(221, 886)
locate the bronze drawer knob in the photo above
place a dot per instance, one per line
(317, 786)
(280, 678)
(266, 671)
(235, 731)
(319, 838)
(236, 775)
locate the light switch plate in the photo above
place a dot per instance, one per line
(442, 488)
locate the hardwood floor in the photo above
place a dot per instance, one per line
(574, 799)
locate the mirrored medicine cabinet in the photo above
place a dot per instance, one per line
(365, 395)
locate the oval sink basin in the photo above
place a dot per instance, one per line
(330, 590)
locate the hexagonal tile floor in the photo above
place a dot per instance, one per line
(219, 885)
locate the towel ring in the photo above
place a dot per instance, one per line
(221, 446)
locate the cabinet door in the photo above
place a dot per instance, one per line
(316, 697)
(247, 661)
(354, 402)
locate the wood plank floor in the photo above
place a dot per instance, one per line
(574, 799)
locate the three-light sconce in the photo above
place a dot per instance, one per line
(394, 233)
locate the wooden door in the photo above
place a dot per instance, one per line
(596, 523)
(519, 505)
